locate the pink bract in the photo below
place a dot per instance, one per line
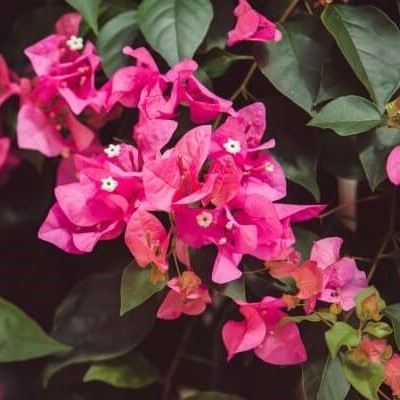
(393, 166)
(251, 25)
(275, 343)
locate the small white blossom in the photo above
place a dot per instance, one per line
(269, 167)
(109, 184)
(204, 219)
(232, 146)
(223, 241)
(229, 225)
(113, 150)
(75, 43)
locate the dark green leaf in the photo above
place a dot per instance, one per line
(339, 156)
(222, 22)
(324, 380)
(175, 28)
(304, 242)
(214, 396)
(219, 61)
(341, 334)
(348, 115)
(88, 319)
(136, 287)
(337, 79)
(293, 65)
(393, 313)
(373, 149)
(297, 146)
(21, 338)
(114, 35)
(130, 372)
(89, 11)
(367, 37)
(365, 376)
(236, 290)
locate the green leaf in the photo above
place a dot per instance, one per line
(367, 37)
(393, 313)
(89, 10)
(114, 35)
(314, 317)
(21, 338)
(222, 22)
(219, 61)
(348, 115)
(297, 146)
(294, 63)
(89, 320)
(214, 396)
(304, 241)
(236, 290)
(337, 79)
(175, 28)
(339, 156)
(341, 334)
(369, 304)
(131, 372)
(136, 287)
(378, 329)
(364, 376)
(373, 149)
(324, 380)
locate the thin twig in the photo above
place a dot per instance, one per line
(387, 238)
(178, 355)
(349, 204)
(383, 395)
(245, 81)
(308, 7)
(288, 10)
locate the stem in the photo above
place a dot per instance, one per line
(178, 355)
(255, 271)
(288, 10)
(326, 322)
(308, 7)
(245, 81)
(342, 206)
(383, 395)
(387, 238)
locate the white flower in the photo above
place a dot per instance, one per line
(232, 146)
(113, 150)
(269, 167)
(223, 240)
(109, 184)
(204, 219)
(75, 43)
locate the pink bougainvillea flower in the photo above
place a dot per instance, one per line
(393, 166)
(147, 240)
(127, 83)
(342, 280)
(70, 65)
(8, 86)
(274, 343)
(98, 205)
(251, 25)
(60, 231)
(44, 119)
(373, 349)
(174, 177)
(242, 228)
(151, 135)
(240, 136)
(392, 374)
(68, 24)
(187, 296)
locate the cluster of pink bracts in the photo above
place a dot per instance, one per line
(218, 187)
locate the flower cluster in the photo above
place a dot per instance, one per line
(172, 193)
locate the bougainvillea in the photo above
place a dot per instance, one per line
(197, 186)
